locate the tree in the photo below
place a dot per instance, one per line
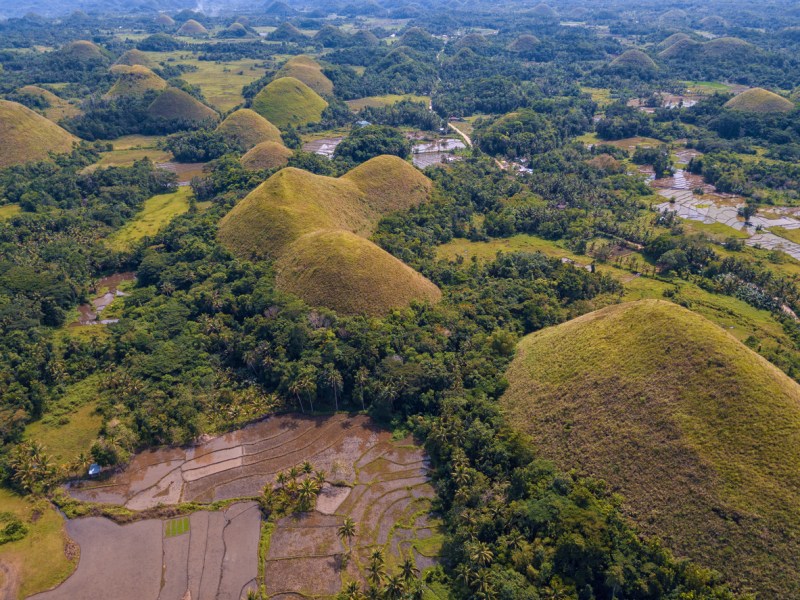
(334, 381)
(376, 571)
(307, 493)
(409, 571)
(368, 142)
(31, 467)
(362, 377)
(347, 531)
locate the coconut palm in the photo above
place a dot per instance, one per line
(347, 531)
(395, 587)
(481, 554)
(307, 467)
(362, 377)
(307, 493)
(334, 381)
(376, 571)
(352, 591)
(409, 571)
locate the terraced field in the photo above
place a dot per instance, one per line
(382, 484)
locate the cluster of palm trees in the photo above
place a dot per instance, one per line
(298, 486)
(32, 468)
(404, 585)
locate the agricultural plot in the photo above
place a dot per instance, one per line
(206, 555)
(157, 212)
(380, 483)
(387, 100)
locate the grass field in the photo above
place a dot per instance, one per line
(9, 210)
(793, 235)
(638, 390)
(222, 82)
(602, 96)
(126, 158)
(71, 425)
(38, 561)
(706, 87)
(387, 100)
(517, 243)
(176, 527)
(136, 142)
(158, 211)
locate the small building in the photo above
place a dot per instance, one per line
(94, 470)
(363, 123)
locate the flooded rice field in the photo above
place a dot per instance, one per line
(711, 207)
(427, 153)
(184, 171)
(324, 147)
(381, 483)
(89, 314)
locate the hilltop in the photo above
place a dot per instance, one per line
(83, 51)
(673, 39)
(695, 430)
(288, 101)
(286, 32)
(28, 136)
(309, 71)
(714, 50)
(285, 217)
(134, 81)
(134, 57)
(759, 100)
(164, 20)
(192, 28)
(58, 107)
(634, 59)
(245, 128)
(266, 155)
(524, 43)
(176, 105)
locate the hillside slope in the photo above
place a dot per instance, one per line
(245, 128)
(309, 71)
(697, 432)
(759, 100)
(28, 136)
(288, 101)
(313, 226)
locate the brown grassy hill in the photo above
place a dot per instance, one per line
(697, 432)
(524, 43)
(266, 155)
(288, 101)
(245, 128)
(633, 59)
(192, 28)
(164, 20)
(174, 104)
(673, 39)
(681, 49)
(309, 71)
(134, 81)
(726, 47)
(28, 136)
(58, 109)
(286, 32)
(350, 275)
(83, 51)
(135, 57)
(293, 204)
(759, 100)
(364, 37)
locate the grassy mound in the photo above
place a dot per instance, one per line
(543, 11)
(82, 51)
(681, 48)
(308, 71)
(266, 155)
(524, 43)
(696, 431)
(364, 37)
(58, 109)
(634, 59)
(714, 23)
(287, 101)
(472, 40)
(759, 100)
(164, 20)
(286, 32)
(134, 57)
(673, 39)
(727, 47)
(134, 82)
(176, 105)
(245, 128)
(351, 275)
(28, 136)
(192, 28)
(294, 204)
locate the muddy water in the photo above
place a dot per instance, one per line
(89, 314)
(425, 154)
(324, 146)
(184, 171)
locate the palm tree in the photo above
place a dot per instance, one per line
(409, 570)
(306, 467)
(281, 478)
(481, 554)
(352, 591)
(395, 587)
(362, 377)
(307, 493)
(334, 380)
(375, 571)
(296, 388)
(319, 477)
(347, 531)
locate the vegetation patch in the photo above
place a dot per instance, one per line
(157, 212)
(288, 101)
(28, 136)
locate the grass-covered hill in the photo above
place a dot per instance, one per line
(524, 43)
(286, 32)
(82, 52)
(281, 220)
(28, 136)
(288, 101)
(697, 432)
(266, 155)
(633, 59)
(134, 82)
(759, 100)
(309, 71)
(57, 108)
(350, 274)
(164, 20)
(672, 40)
(718, 49)
(134, 57)
(192, 28)
(246, 128)
(176, 105)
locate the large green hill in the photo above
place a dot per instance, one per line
(759, 100)
(288, 101)
(309, 71)
(28, 136)
(245, 128)
(699, 433)
(285, 217)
